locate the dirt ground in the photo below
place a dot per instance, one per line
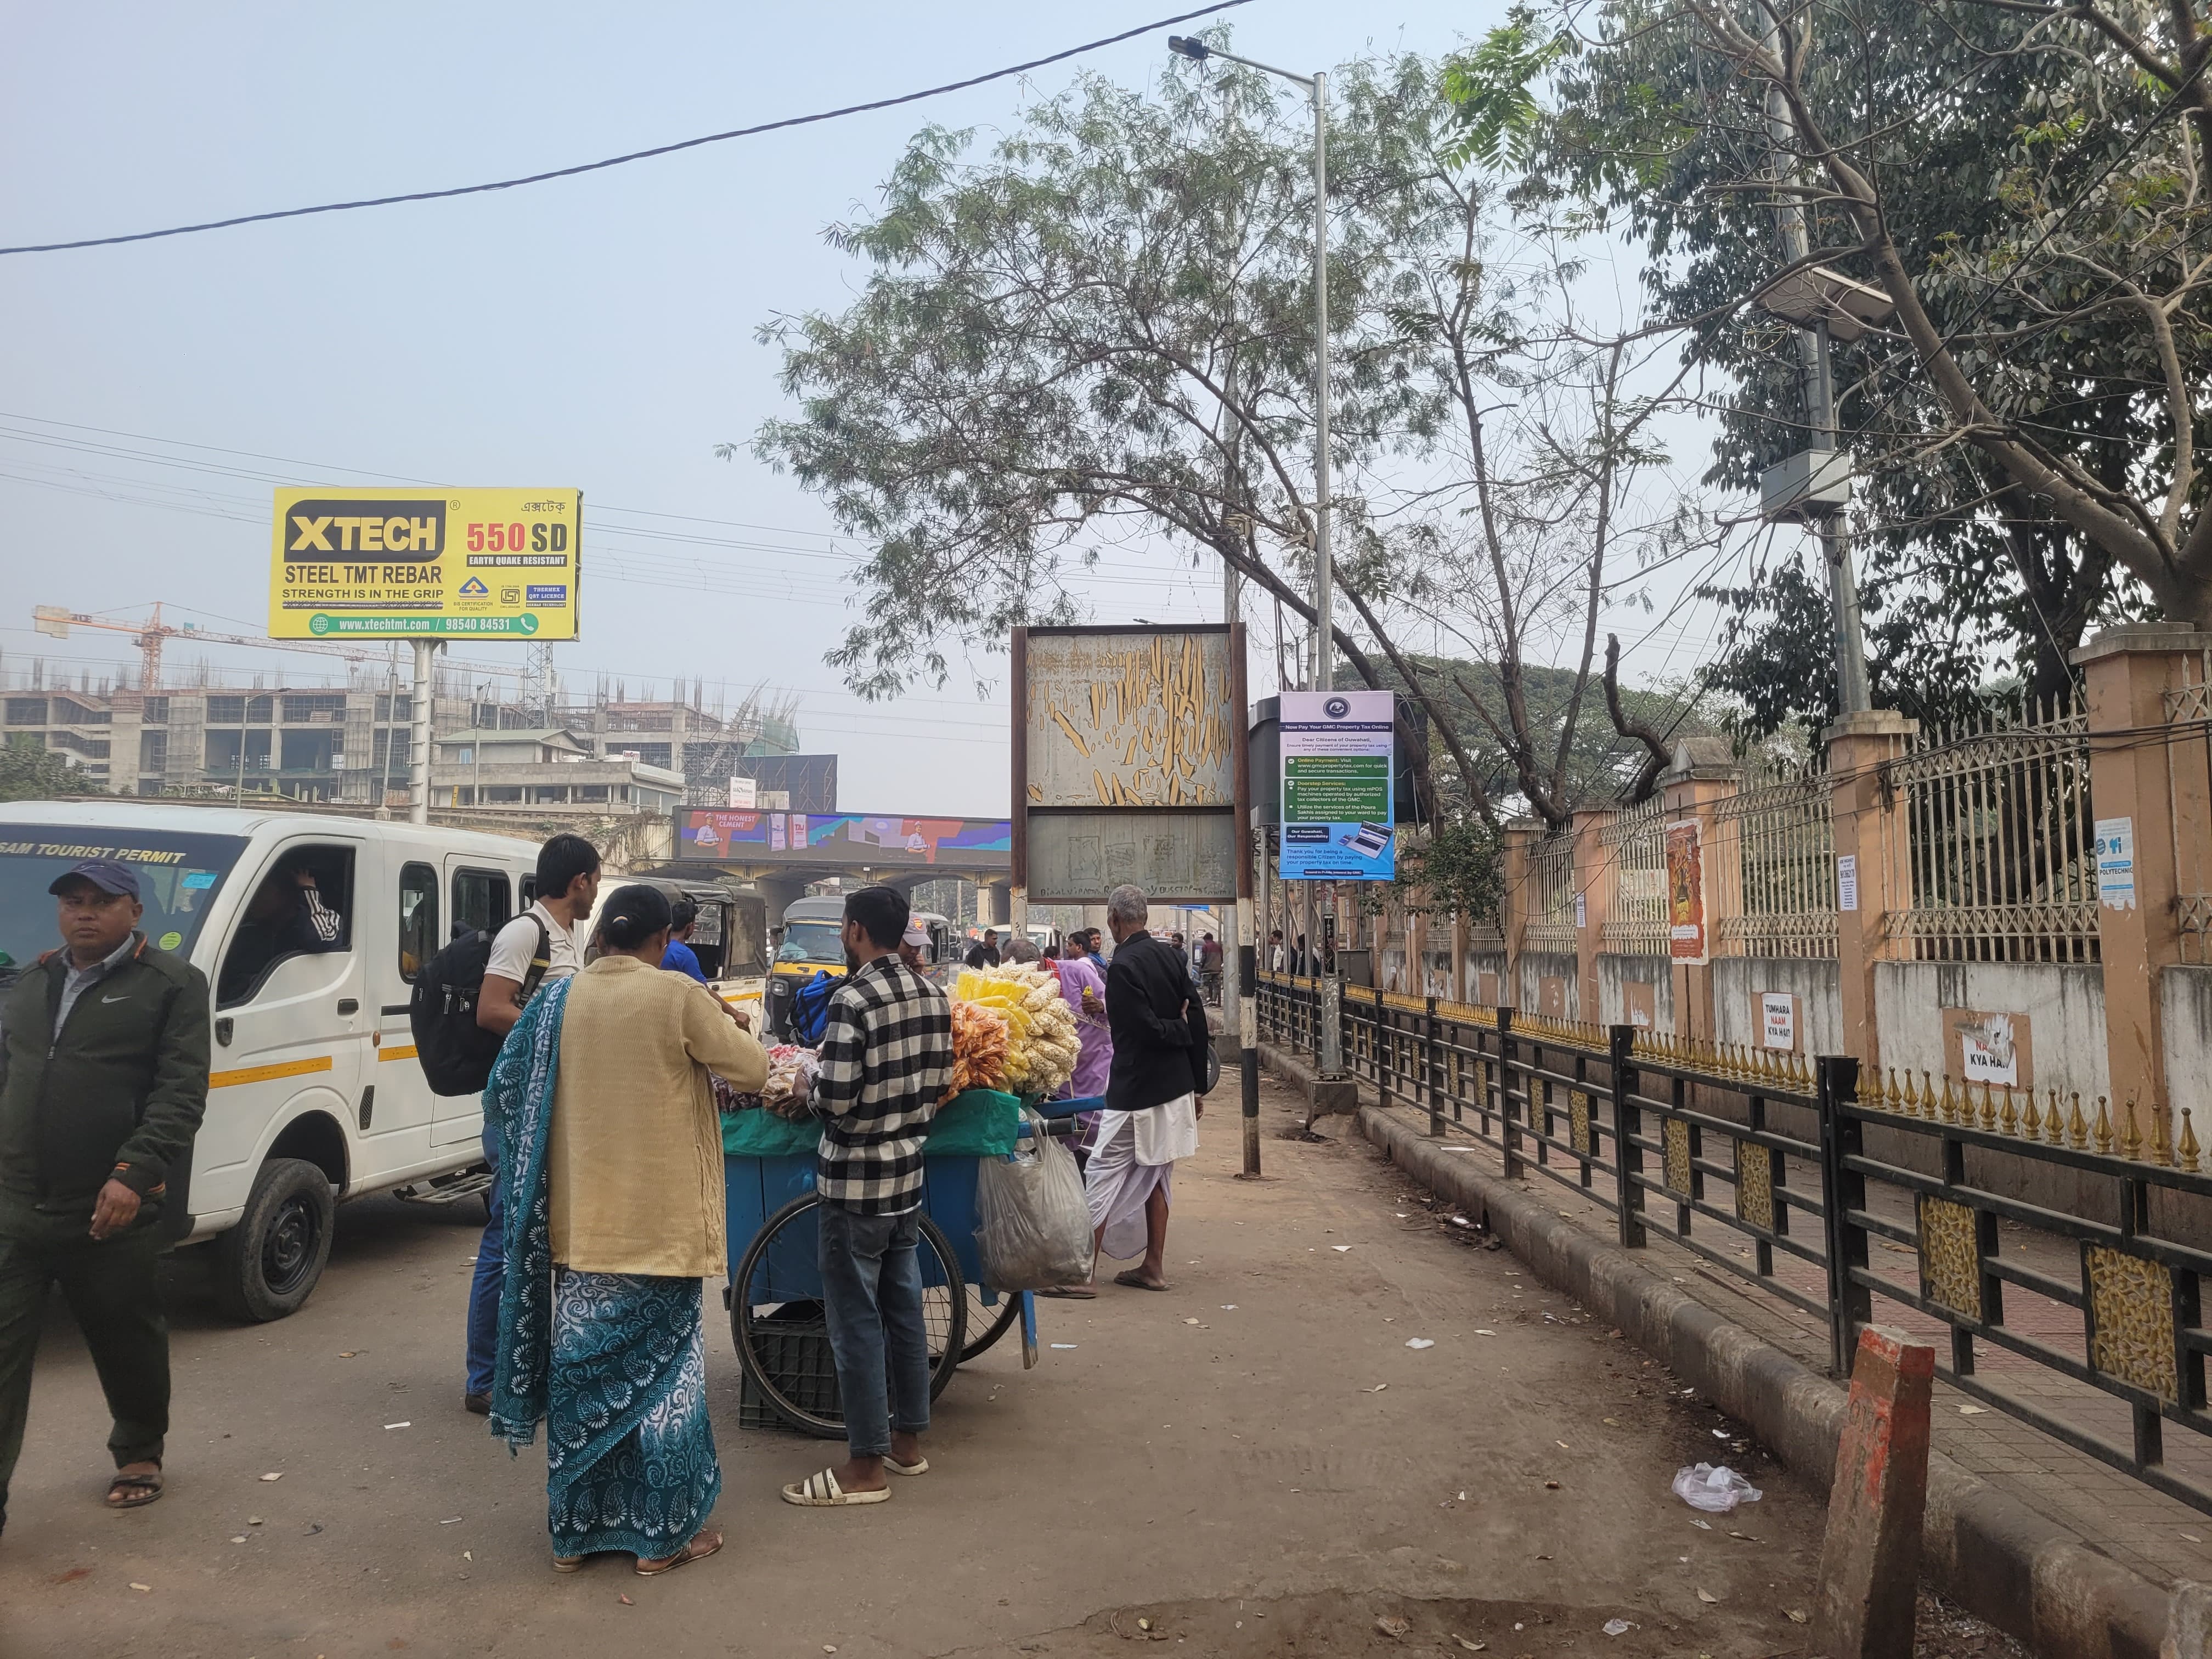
(1256, 1463)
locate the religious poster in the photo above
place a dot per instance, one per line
(1687, 943)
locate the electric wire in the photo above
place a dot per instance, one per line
(633, 156)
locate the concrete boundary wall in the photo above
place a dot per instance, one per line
(1983, 1549)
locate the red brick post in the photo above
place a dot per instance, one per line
(1870, 1558)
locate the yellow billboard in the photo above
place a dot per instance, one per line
(395, 563)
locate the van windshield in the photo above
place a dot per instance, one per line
(178, 876)
(813, 941)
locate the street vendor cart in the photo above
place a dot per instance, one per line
(775, 1293)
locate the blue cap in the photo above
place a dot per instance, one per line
(106, 874)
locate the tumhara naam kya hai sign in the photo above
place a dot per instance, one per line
(395, 563)
(1338, 772)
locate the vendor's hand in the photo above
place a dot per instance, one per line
(1197, 1103)
(116, 1208)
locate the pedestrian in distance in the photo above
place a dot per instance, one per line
(1152, 1102)
(680, 958)
(103, 1083)
(1094, 948)
(886, 1058)
(613, 1173)
(984, 952)
(1278, 957)
(537, 948)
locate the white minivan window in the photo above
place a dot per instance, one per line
(178, 876)
(302, 906)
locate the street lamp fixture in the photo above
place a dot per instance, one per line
(1316, 85)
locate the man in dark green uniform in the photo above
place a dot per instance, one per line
(103, 1080)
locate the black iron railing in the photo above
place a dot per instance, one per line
(1763, 1169)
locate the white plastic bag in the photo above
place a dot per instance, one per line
(1032, 1225)
(1714, 1490)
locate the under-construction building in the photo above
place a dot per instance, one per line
(308, 738)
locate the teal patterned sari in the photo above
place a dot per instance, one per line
(613, 1363)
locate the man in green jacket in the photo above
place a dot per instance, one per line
(103, 1080)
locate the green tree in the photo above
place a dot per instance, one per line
(2023, 183)
(29, 771)
(1099, 329)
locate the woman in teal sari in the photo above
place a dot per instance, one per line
(614, 1200)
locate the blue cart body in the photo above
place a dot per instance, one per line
(757, 1187)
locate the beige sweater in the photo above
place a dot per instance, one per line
(634, 1165)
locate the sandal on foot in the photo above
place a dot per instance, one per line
(1137, 1281)
(1071, 1293)
(700, 1546)
(821, 1491)
(920, 1466)
(567, 1564)
(133, 1491)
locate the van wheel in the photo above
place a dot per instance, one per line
(267, 1265)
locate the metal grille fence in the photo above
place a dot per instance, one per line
(1551, 894)
(2089, 1329)
(1776, 870)
(1636, 846)
(2189, 778)
(2000, 841)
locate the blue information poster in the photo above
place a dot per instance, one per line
(1338, 772)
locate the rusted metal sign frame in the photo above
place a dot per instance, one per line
(1233, 817)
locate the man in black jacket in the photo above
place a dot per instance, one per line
(1152, 1103)
(103, 1080)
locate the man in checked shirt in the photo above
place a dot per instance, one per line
(886, 1057)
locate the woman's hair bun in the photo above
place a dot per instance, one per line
(634, 915)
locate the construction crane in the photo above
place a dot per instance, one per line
(55, 620)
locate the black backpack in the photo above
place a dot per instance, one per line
(456, 1052)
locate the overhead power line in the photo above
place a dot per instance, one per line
(636, 155)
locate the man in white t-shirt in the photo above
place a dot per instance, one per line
(537, 946)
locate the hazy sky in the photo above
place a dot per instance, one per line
(596, 332)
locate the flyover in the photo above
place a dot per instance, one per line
(782, 853)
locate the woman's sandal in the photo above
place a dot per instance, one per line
(700, 1546)
(568, 1564)
(920, 1466)
(821, 1491)
(133, 1491)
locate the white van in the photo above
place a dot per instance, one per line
(314, 1093)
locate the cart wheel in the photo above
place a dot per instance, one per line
(783, 1347)
(987, 1323)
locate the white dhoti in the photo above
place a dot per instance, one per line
(1136, 1152)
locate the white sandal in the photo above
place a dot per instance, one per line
(920, 1466)
(821, 1491)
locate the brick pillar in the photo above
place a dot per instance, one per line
(1690, 793)
(1594, 883)
(1513, 904)
(2129, 672)
(1869, 832)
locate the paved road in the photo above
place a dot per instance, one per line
(1284, 1467)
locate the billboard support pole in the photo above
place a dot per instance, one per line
(1247, 983)
(1017, 896)
(418, 736)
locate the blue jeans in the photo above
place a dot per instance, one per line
(491, 1276)
(871, 1296)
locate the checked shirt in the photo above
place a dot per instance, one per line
(886, 1057)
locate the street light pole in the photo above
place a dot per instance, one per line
(1319, 670)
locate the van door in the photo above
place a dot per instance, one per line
(403, 909)
(291, 1030)
(483, 897)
